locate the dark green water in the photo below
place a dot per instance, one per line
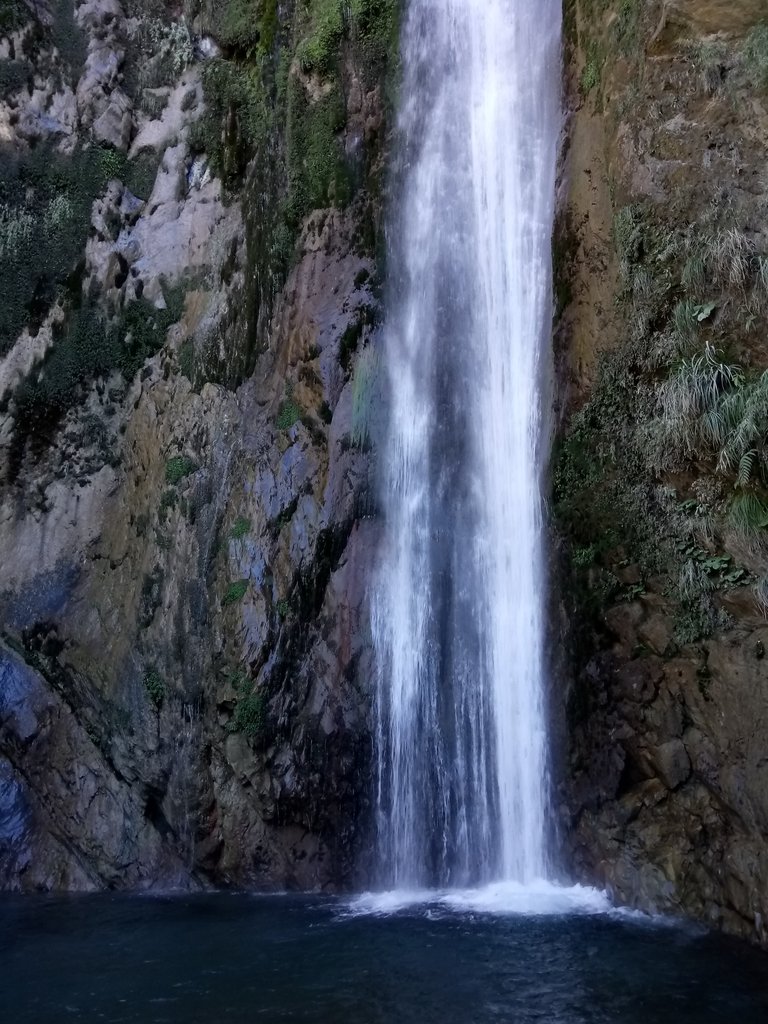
(238, 958)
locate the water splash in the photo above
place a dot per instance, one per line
(457, 608)
(535, 899)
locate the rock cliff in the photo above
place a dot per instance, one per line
(189, 226)
(659, 474)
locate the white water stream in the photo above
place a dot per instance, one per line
(458, 604)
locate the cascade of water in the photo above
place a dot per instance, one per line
(457, 606)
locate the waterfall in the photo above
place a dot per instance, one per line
(457, 607)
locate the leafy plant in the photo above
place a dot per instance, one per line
(627, 22)
(13, 14)
(697, 619)
(289, 413)
(250, 710)
(237, 117)
(583, 558)
(87, 347)
(155, 687)
(187, 360)
(318, 51)
(704, 311)
(168, 500)
(590, 74)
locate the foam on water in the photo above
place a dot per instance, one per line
(540, 898)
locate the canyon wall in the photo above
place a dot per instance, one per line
(190, 227)
(660, 468)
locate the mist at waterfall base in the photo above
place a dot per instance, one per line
(241, 959)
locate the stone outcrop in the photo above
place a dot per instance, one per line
(184, 658)
(663, 785)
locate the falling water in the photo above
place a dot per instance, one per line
(457, 609)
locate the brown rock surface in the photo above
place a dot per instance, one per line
(667, 717)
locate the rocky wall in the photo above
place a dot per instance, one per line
(659, 472)
(190, 219)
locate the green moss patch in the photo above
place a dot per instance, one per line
(250, 717)
(235, 592)
(240, 528)
(45, 210)
(179, 467)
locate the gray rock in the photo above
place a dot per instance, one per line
(115, 123)
(672, 763)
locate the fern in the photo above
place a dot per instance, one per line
(746, 467)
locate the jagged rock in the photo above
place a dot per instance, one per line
(49, 114)
(115, 123)
(207, 48)
(183, 106)
(102, 105)
(672, 762)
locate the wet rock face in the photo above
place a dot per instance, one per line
(69, 819)
(661, 610)
(668, 773)
(186, 517)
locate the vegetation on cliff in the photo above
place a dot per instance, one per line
(667, 454)
(660, 477)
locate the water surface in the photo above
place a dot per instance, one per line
(243, 959)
